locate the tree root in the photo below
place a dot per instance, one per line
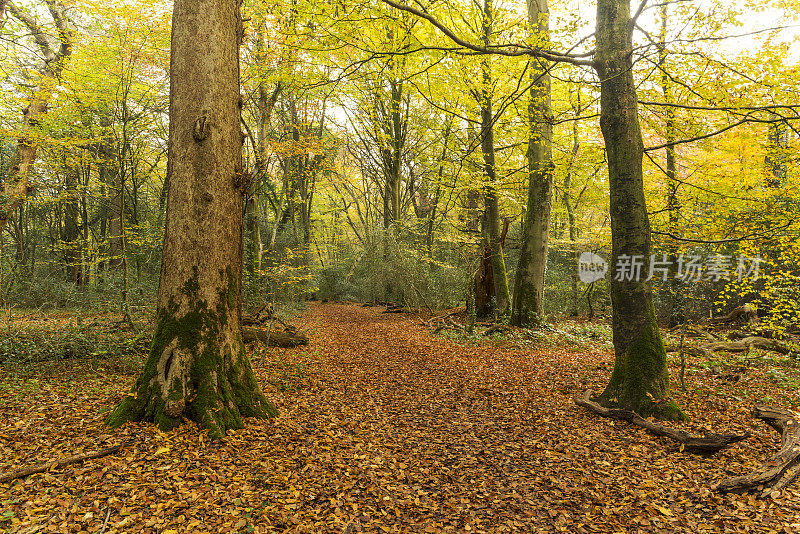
(710, 443)
(41, 468)
(743, 345)
(780, 469)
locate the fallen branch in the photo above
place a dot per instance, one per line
(707, 444)
(743, 345)
(780, 469)
(274, 338)
(47, 466)
(745, 313)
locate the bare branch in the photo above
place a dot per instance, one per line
(513, 50)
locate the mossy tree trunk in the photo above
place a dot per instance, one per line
(639, 381)
(198, 368)
(528, 306)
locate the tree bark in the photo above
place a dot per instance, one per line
(639, 381)
(197, 367)
(528, 306)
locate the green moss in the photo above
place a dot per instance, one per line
(216, 402)
(639, 381)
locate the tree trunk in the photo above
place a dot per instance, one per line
(71, 236)
(528, 307)
(639, 381)
(570, 209)
(673, 290)
(197, 366)
(491, 212)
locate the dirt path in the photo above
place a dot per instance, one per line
(383, 428)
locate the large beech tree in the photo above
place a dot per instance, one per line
(197, 367)
(639, 380)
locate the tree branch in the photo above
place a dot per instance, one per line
(513, 50)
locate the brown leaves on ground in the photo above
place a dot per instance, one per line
(383, 428)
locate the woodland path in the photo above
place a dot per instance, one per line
(383, 428)
(431, 434)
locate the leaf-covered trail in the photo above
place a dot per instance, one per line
(384, 427)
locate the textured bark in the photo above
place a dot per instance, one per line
(197, 366)
(528, 306)
(16, 186)
(639, 381)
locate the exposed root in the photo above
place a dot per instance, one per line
(780, 469)
(707, 444)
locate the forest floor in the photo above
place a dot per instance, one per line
(387, 428)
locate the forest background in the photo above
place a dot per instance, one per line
(364, 150)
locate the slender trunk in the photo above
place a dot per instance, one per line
(71, 237)
(570, 209)
(673, 290)
(776, 158)
(528, 307)
(491, 214)
(198, 367)
(639, 380)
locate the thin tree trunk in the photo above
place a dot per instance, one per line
(639, 381)
(528, 307)
(673, 289)
(71, 237)
(491, 212)
(570, 209)
(197, 366)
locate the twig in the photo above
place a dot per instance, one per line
(41, 468)
(105, 522)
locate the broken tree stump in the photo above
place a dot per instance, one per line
(780, 469)
(274, 338)
(707, 444)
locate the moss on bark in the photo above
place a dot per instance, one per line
(194, 372)
(639, 381)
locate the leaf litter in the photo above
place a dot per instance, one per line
(384, 428)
